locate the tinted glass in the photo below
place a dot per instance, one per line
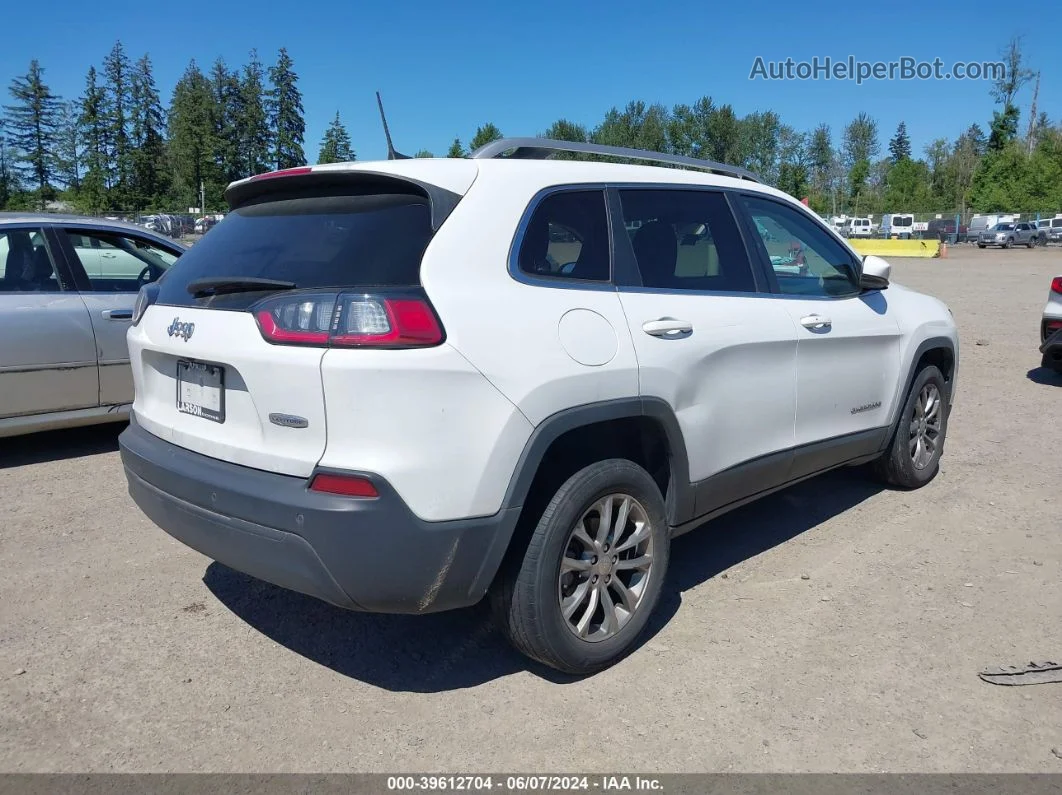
(329, 241)
(25, 266)
(686, 240)
(806, 259)
(117, 263)
(567, 237)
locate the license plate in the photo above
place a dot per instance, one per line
(201, 390)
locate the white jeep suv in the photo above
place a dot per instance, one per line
(400, 386)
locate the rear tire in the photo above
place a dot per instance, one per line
(1051, 363)
(551, 604)
(1031, 243)
(913, 456)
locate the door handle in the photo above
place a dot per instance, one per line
(117, 314)
(816, 322)
(108, 254)
(667, 327)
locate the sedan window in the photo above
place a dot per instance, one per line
(119, 263)
(25, 264)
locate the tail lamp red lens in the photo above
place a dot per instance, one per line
(344, 485)
(349, 320)
(1056, 284)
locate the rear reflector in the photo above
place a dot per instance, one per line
(1056, 284)
(345, 485)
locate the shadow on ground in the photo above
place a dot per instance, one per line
(39, 448)
(1045, 376)
(459, 649)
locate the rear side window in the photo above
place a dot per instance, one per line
(686, 240)
(322, 241)
(567, 237)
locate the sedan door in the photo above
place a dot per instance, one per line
(848, 355)
(709, 341)
(127, 262)
(47, 348)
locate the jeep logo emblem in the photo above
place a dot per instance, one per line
(182, 330)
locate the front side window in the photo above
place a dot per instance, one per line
(686, 240)
(806, 259)
(567, 237)
(25, 265)
(118, 263)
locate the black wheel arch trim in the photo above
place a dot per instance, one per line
(928, 344)
(680, 497)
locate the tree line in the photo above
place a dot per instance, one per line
(117, 148)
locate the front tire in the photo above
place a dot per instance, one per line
(1007, 243)
(981, 245)
(592, 572)
(913, 457)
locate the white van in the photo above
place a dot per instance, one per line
(982, 223)
(858, 227)
(899, 225)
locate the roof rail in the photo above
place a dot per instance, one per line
(541, 148)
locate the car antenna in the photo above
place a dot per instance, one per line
(391, 153)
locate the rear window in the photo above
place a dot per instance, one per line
(320, 241)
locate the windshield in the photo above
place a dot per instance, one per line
(1004, 227)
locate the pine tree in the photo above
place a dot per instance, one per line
(149, 150)
(32, 128)
(69, 145)
(335, 147)
(456, 150)
(423, 153)
(900, 145)
(93, 124)
(253, 121)
(117, 72)
(484, 135)
(284, 105)
(192, 143)
(227, 100)
(8, 182)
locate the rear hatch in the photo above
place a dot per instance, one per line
(227, 354)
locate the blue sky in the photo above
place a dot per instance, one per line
(445, 68)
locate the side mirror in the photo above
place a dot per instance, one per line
(876, 272)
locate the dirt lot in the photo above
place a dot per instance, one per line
(122, 650)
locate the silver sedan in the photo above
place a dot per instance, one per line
(67, 289)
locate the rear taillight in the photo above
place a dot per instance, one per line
(284, 172)
(345, 485)
(349, 320)
(1056, 285)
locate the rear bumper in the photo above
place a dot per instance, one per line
(1052, 345)
(360, 554)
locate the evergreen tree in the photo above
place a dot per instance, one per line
(252, 122)
(8, 182)
(335, 147)
(456, 150)
(284, 105)
(192, 143)
(227, 113)
(33, 129)
(95, 140)
(116, 69)
(900, 145)
(423, 153)
(484, 135)
(148, 179)
(69, 145)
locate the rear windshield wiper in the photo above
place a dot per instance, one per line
(217, 285)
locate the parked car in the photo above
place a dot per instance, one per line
(1009, 234)
(858, 227)
(67, 289)
(1051, 228)
(484, 407)
(897, 225)
(1051, 328)
(943, 228)
(983, 223)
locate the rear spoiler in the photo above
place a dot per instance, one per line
(293, 183)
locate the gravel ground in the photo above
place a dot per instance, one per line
(832, 627)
